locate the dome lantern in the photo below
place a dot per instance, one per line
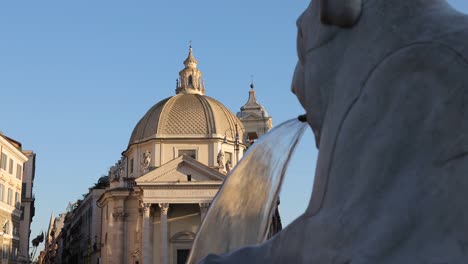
(190, 81)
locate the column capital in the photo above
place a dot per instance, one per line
(146, 206)
(146, 209)
(204, 205)
(203, 209)
(119, 215)
(164, 208)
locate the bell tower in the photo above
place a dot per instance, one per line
(254, 117)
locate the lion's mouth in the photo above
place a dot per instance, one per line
(302, 118)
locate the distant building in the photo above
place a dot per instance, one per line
(178, 156)
(12, 162)
(52, 243)
(72, 237)
(83, 228)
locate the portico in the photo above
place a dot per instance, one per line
(182, 184)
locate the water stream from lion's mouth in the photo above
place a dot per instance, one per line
(241, 212)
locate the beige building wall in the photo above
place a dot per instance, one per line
(163, 151)
(132, 227)
(11, 173)
(119, 216)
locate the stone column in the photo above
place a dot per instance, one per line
(147, 234)
(164, 241)
(203, 209)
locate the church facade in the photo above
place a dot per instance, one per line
(177, 157)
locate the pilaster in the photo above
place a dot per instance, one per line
(147, 235)
(203, 209)
(164, 232)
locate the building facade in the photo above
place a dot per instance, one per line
(79, 241)
(177, 158)
(73, 237)
(27, 206)
(53, 240)
(12, 162)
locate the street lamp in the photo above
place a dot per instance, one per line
(236, 145)
(236, 141)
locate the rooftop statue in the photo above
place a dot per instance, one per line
(385, 87)
(220, 158)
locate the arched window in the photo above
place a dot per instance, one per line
(190, 80)
(6, 228)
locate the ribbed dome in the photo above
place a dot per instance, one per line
(187, 116)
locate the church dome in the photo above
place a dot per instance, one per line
(187, 116)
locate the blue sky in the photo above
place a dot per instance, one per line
(76, 76)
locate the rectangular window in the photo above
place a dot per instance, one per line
(3, 161)
(19, 171)
(188, 152)
(10, 168)
(24, 186)
(2, 192)
(14, 253)
(17, 200)
(10, 197)
(22, 213)
(6, 251)
(131, 166)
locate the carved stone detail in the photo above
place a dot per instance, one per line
(146, 161)
(204, 209)
(181, 193)
(121, 167)
(164, 207)
(146, 207)
(204, 205)
(119, 215)
(220, 159)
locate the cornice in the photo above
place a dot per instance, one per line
(7, 145)
(121, 192)
(184, 185)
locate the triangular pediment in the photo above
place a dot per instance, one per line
(178, 169)
(251, 116)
